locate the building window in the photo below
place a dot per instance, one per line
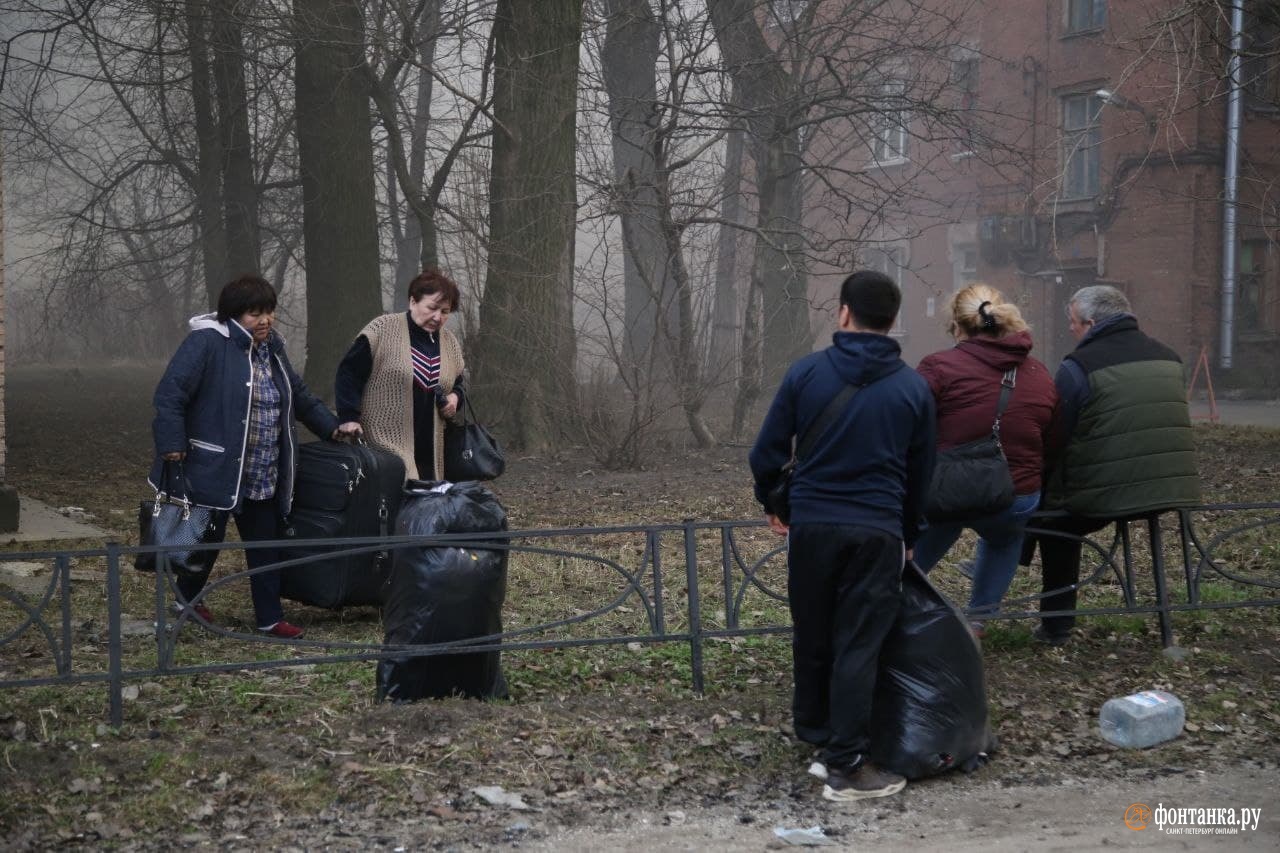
(1260, 68)
(890, 260)
(964, 266)
(784, 13)
(1256, 298)
(1086, 15)
(1081, 138)
(889, 125)
(964, 77)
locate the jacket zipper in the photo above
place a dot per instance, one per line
(285, 424)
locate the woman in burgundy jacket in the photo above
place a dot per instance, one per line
(991, 337)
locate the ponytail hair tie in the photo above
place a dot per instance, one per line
(988, 319)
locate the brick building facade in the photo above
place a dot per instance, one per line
(1108, 168)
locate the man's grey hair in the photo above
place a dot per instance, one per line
(1099, 302)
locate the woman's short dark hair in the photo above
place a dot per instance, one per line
(244, 294)
(430, 282)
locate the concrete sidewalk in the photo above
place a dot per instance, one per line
(1258, 413)
(39, 522)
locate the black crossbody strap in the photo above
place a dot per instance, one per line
(820, 426)
(1007, 382)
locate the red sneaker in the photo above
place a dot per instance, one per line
(284, 631)
(198, 612)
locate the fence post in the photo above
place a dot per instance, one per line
(63, 568)
(1127, 583)
(659, 612)
(1162, 591)
(1184, 525)
(695, 614)
(726, 570)
(115, 664)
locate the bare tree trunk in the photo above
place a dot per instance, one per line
(683, 356)
(239, 190)
(724, 322)
(525, 352)
(629, 58)
(779, 262)
(769, 101)
(417, 249)
(335, 156)
(9, 509)
(409, 167)
(658, 300)
(749, 386)
(213, 244)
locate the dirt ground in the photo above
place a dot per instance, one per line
(939, 815)
(609, 762)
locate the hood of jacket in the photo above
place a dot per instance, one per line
(999, 353)
(209, 321)
(863, 357)
(231, 330)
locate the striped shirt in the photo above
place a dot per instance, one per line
(426, 368)
(262, 451)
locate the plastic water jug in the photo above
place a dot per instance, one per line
(1143, 719)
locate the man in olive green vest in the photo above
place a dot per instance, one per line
(1124, 446)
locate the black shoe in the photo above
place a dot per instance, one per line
(864, 783)
(1051, 639)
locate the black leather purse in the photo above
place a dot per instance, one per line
(470, 451)
(972, 480)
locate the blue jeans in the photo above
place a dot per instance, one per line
(999, 544)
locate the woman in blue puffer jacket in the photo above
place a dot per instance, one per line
(224, 410)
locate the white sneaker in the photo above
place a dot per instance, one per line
(867, 782)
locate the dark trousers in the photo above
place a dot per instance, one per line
(257, 521)
(1060, 564)
(845, 588)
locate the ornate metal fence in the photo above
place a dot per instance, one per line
(729, 577)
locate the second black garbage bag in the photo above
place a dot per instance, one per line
(930, 709)
(441, 593)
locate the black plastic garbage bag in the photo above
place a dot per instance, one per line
(929, 713)
(440, 594)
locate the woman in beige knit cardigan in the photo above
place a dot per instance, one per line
(402, 377)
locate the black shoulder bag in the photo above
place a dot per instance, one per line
(972, 480)
(780, 494)
(470, 451)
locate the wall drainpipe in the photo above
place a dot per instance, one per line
(1230, 181)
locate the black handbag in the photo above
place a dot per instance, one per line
(172, 520)
(972, 480)
(780, 493)
(470, 451)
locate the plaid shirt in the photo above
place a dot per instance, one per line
(262, 451)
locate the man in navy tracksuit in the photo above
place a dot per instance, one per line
(856, 504)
